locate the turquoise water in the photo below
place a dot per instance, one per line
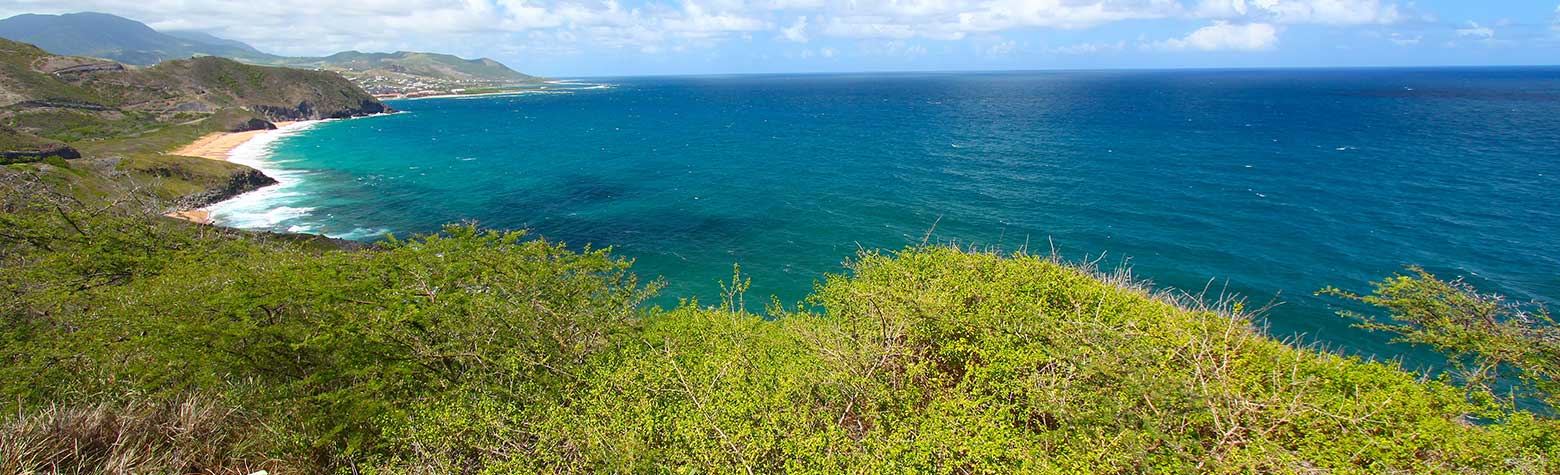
(1270, 184)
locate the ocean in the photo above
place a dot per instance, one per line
(1270, 184)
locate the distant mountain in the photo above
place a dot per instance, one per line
(209, 39)
(48, 99)
(102, 35)
(417, 64)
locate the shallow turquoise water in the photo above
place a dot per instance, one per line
(1270, 184)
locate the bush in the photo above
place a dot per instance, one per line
(1488, 340)
(942, 361)
(475, 351)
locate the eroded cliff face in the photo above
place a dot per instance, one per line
(307, 110)
(17, 146)
(240, 182)
(189, 182)
(39, 153)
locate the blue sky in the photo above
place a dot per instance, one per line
(564, 38)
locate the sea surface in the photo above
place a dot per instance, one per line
(1270, 183)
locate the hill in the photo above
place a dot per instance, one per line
(127, 41)
(405, 72)
(122, 121)
(72, 99)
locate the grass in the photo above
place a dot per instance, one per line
(174, 178)
(152, 141)
(191, 434)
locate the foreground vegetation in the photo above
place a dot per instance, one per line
(134, 344)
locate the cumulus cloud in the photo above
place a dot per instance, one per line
(424, 24)
(1224, 36)
(532, 27)
(797, 31)
(956, 19)
(1333, 12)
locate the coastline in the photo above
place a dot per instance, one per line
(221, 146)
(251, 149)
(217, 145)
(547, 89)
(480, 94)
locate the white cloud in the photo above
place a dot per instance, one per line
(797, 31)
(1007, 14)
(533, 28)
(1222, 36)
(1333, 12)
(1088, 48)
(1405, 40)
(1473, 30)
(470, 26)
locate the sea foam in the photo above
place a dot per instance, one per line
(260, 209)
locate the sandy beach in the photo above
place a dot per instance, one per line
(215, 146)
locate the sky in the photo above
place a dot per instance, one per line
(585, 38)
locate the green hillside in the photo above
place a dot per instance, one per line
(112, 119)
(418, 64)
(127, 41)
(73, 99)
(154, 347)
(101, 35)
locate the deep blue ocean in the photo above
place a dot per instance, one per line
(1270, 184)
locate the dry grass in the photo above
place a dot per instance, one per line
(185, 436)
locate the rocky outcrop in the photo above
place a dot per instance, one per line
(238, 183)
(307, 110)
(17, 146)
(80, 67)
(51, 150)
(251, 124)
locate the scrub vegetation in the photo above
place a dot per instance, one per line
(138, 344)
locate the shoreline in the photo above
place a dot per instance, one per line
(220, 146)
(224, 146)
(516, 92)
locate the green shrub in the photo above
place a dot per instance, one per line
(476, 351)
(1487, 339)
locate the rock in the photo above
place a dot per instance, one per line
(251, 124)
(48, 150)
(241, 182)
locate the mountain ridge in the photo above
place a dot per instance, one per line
(131, 42)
